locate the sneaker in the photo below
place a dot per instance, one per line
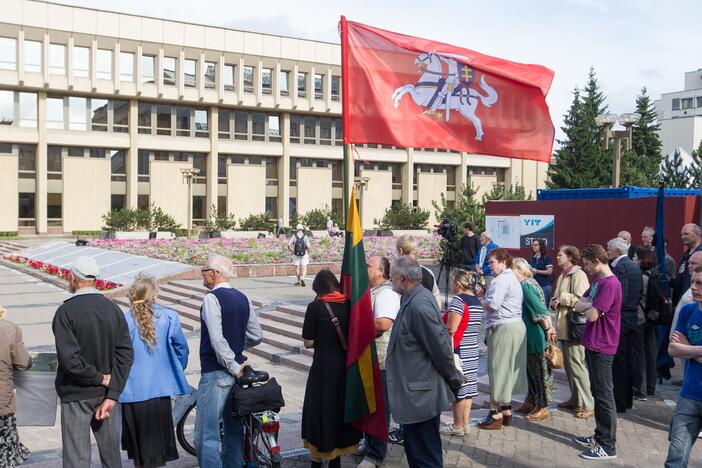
(599, 453)
(448, 429)
(586, 441)
(396, 437)
(302, 283)
(640, 397)
(366, 464)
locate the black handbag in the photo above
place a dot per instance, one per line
(576, 321)
(256, 399)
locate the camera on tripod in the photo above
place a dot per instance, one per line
(447, 230)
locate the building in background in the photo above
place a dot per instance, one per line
(680, 115)
(101, 110)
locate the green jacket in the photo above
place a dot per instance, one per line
(533, 311)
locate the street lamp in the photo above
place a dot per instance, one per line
(361, 186)
(188, 174)
(607, 121)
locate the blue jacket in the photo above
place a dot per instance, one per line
(157, 373)
(484, 266)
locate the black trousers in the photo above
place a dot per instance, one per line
(423, 444)
(599, 366)
(626, 368)
(647, 384)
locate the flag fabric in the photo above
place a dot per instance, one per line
(364, 404)
(660, 238)
(410, 92)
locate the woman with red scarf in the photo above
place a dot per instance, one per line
(326, 329)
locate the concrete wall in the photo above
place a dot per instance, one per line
(684, 132)
(430, 186)
(246, 190)
(376, 197)
(85, 199)
(9, 193)
(321, 196)
(169, 191)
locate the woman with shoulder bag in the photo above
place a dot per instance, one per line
(539, 332)
(463, 320)
(571, 285)
(325, 329)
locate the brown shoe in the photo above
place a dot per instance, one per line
(525, 408)
(538, 415)
(583, 414)
(566, 405)
(491, 424)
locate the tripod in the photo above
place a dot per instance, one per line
(445, 264)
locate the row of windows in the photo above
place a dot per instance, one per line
(312, 130)
(190, 68)
(81, 113)
(271, 163)
(164, 119)
(249, 126)
(686, 103)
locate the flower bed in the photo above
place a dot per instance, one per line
(100, 284)
(268, 251)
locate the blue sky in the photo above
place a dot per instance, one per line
(631, 44)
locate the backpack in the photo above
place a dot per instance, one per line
(659, 308)
(300, 247)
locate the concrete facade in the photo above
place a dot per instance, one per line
(680, 115)
(133, 90)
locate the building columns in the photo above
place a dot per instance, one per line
(462, 178)
(212, 164)
(284, 173)
(132, 156)
(40, 190)
(408, 178)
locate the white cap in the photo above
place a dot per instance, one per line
(85, 268)
(299, 227)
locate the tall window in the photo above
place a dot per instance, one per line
(81, 62)
(336, 81)
(210, 75)
(103, 60)
(7, 107)
(325, 131)
(201, 123)
(302, 84)
(163, 119)
(241, 130)
(28, 110)
(676, 104)
(27, 162)
(8, 53)
(169, 70)
(120, 116)
(283, 83)
(182, 121)
(54, 162)
(295, 121)
(248, 79)
(77, 119)
(686, 103)
(148, 64)
(224, 117)
(54, 113)
(98, 114)
(318, 86)
(57, 59)
(189, 73)
(273, 128)
(310, 130)
(258, 126)
(126, 66)
(144, 119)
(267, 80)
(32, 56)
(229, 77)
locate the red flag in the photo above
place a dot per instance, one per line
(410, 92)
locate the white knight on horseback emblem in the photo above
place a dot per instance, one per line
(441, 92)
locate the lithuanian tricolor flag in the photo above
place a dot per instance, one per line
(365, 405)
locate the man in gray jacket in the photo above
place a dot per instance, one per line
(420, 369)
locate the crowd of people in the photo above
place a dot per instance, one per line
(120, 386)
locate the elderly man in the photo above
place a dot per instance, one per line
(486, 246)
(631, 250)
(386, 305)
(629, 359)
(686, 343)
(647, 237)
(421, 375)
(692, 239)
(95, 354)
(229, 325)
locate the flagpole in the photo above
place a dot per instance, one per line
(348, 164)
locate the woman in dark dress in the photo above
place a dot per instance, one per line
(323, 430)
(542, 267)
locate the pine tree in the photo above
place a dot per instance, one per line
(640, 166)
(674, 174)
(581, 161)
(693, 172)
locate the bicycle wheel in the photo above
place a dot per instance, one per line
(185, 430)
(263, 449)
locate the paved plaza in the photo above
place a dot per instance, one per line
(642, 433)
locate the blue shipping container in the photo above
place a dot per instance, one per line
(599, 193)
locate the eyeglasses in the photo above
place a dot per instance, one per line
(205, 270)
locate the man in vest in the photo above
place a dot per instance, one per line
(386, 305)
(229, 325)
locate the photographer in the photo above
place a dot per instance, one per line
(469, 246)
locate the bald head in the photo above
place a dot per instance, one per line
(694, 261)
(690, 235)
(626, 235)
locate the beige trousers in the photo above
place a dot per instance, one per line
(578, 377)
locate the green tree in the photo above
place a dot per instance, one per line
(640, 166)
(693, 171)
(467, 207)
(674, 174)
(403, 216)
(581, 160)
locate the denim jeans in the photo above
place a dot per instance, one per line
(684, 427)
(213, 406)
(378, 448)
(600, 368)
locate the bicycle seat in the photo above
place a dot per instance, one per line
(252, 376)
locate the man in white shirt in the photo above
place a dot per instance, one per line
(299, 246)
(386, 305)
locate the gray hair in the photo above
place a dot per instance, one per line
(408, 267)
(486, 234)
(221, 265)
(649, 230)
(618, 244)
(523, 267)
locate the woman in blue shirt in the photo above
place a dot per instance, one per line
(160, 356)
(542, 267)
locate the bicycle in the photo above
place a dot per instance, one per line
(261, 429)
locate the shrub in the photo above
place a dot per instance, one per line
(256, 222)
(162, 221)
(403, 216)
(86, 233)
(315, 219)
(152, 218)
(217, 223)
(124, 219)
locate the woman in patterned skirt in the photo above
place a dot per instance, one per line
(463, 320)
